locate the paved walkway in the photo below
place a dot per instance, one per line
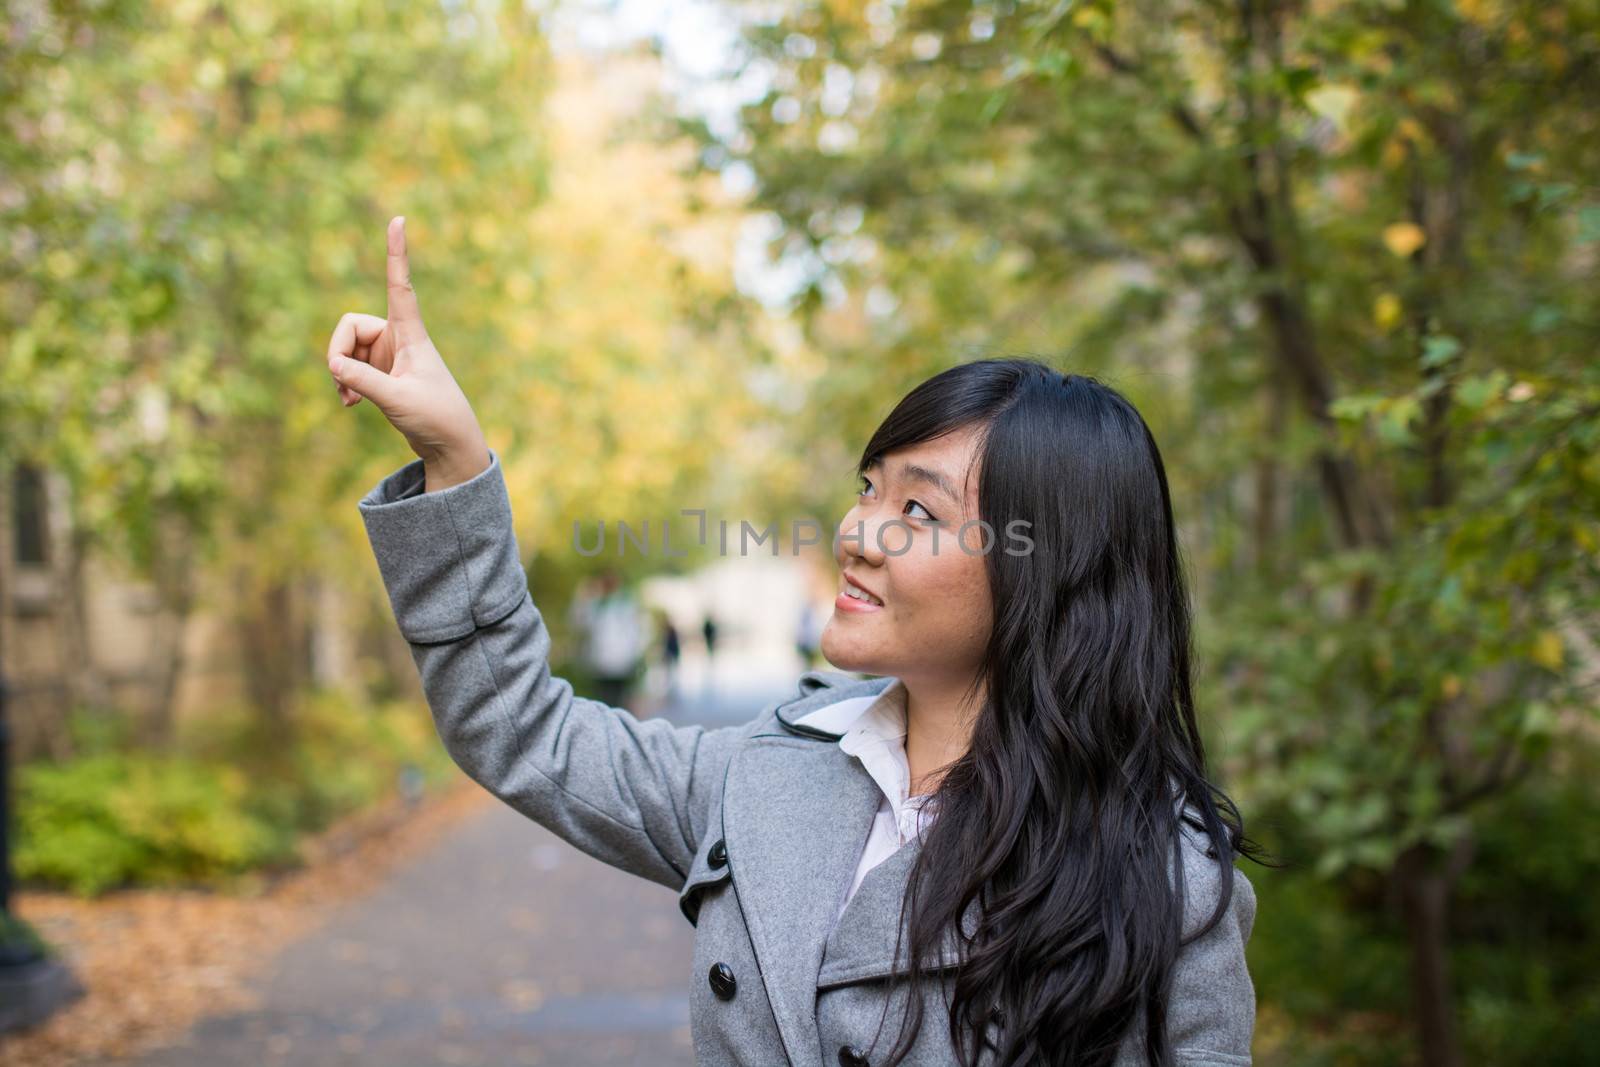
(503, 946)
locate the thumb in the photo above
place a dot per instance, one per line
(364, 379)
(403, 311)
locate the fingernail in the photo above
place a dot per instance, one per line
(337, 366)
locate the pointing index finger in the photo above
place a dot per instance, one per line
(403, 309)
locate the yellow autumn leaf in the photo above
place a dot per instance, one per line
(1404, 238)
(519, 287)
(1334, 103)
(1394, 153)
(1482, 12)
(1412, 130)
(484, 231)
(1386, 311)
(1450, 687)
(1547, 649)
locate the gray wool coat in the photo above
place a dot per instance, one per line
(757, 827)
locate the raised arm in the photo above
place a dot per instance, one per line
(634, 794)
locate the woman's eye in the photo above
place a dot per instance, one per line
(865, 485)
(914, 504)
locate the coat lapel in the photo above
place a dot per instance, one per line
(862, 945)
(797, 812)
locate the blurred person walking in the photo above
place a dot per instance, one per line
(671, 656)
(708, 632)
(614, 638)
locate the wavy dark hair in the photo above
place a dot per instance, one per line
(1052, 825)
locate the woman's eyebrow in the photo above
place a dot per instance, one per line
(914, 473)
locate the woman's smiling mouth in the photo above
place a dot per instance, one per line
(856, 597)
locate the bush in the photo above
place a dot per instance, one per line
(1524, 924)
(106, 820)
(234, 794)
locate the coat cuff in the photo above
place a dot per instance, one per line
(449, 558)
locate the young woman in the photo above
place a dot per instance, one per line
(1003, 849)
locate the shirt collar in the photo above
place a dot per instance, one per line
(882, 722)
(873, 730)
(880, 716)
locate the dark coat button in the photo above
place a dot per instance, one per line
(850, 1056)
(718, 856)
(722, 981)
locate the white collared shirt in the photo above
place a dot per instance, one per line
(874, 731)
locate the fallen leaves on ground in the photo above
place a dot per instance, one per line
(153, 962)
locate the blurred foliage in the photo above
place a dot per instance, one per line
(1526, 924)
(192, 195)
(192, 192)
(101, 822)
(1343, 258)
(234, 796)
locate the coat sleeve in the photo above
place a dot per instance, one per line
(1212, 1010)
(1211, 1006)
(633, 794)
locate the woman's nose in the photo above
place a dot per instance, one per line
(860, 536)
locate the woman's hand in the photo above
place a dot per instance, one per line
(393, 363)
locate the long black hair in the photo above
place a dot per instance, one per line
(1058, 829)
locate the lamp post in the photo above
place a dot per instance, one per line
(14, 949)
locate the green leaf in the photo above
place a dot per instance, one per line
(1439, 348)
(1537, 719)
(1299, 80)
(1332, 861)
(1395, 425)
(992, 107)
(1375, 853)
(1545, 318)
(1588, 223)
(1554, 193)
(1053, 65)
(1476, 391)
(1355, 407)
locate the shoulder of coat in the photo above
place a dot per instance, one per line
(1204, 862)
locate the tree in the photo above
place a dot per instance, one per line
(1343, 257)
(194, 181)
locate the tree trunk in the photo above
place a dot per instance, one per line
(172, 571)
(86, 684)
(74, 661)
(1265, 527)
(272, 655)
(332, 657)
(1424, 880)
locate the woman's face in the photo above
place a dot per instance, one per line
(933, 615)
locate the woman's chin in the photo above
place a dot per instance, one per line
(845, 655)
